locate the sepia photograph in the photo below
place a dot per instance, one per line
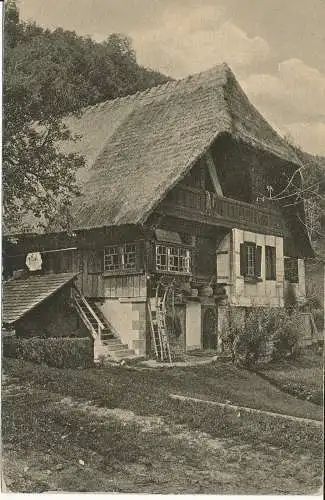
(163, 247)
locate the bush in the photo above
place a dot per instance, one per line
(302, 392)
(290, 298)
(247, 342)
(61, 352)
(264, 335)
(286, 338)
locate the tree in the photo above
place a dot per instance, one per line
(309, 189)
(48, 74)
(38, 181)
(303, 190)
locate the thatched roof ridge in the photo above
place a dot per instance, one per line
(138, 147)
(250, 126)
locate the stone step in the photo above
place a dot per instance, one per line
(109, 336)
(122, 353)
(115, 347)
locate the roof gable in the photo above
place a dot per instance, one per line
(138, 147)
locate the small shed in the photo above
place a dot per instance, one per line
(40, 306)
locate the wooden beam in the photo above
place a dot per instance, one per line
(213, 173)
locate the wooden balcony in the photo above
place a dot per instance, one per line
(206, 207)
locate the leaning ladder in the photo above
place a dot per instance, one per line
(158, 327)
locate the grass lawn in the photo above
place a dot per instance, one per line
(116, 429)
(302, 377)
(144, 390)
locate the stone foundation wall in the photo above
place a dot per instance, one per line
(128, 318)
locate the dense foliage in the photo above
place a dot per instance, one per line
(61, 352)
(46, 75)
(264, 335)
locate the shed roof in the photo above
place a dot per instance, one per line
(138, 147)
(21, 296)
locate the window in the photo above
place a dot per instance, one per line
(117, 258)
(270, 263)
(250, 260)
(111, 259)
(291, 270)
(173, 259)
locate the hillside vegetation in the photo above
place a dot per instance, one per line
(48, 74)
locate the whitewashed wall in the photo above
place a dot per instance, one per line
(264, 293)
(128, 319)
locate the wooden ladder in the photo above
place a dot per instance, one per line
(157, 317)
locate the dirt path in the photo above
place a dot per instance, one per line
(180, 460)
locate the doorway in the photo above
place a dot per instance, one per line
(210, 328)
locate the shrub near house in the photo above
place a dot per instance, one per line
(266, 334)
(62, 352)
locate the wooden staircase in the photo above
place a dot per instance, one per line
(107, 346)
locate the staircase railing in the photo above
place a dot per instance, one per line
(81, 304)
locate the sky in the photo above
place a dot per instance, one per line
(276, 48)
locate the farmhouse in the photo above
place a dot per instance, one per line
(178, 221)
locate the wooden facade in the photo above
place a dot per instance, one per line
(198, 221)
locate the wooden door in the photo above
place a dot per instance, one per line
(210, 328)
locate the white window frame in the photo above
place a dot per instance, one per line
(251, 261)
(178, 259)
(123, 253)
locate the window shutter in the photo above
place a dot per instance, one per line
(258, 261)
(243, 259)
(273, 263)
(222, 266)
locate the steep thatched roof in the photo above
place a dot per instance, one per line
(139, 147)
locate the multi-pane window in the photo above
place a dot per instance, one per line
(118, 258)
(270, 263)
(161, 258)
(173, 259)
(111, 259)
(250, 260)
(129, 257)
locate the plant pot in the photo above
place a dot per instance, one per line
(186, 289)
(206, 291)
(219, 290)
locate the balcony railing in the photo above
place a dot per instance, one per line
(232, 212)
